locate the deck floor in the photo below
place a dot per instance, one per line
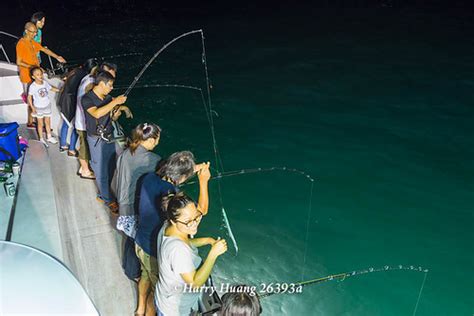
(89, 242)
(91, 245)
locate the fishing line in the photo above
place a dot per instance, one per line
(342, 276)
(75, 61)
(177, 86)
(217, 155)
(255, 170)
(419, 294)
(142, 71)
(240, 172)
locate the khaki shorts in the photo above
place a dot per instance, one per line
(84, 153)
(149, 266)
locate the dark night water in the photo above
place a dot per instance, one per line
(376, 105)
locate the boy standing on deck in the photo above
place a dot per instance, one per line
(100, 108)
(40, 105)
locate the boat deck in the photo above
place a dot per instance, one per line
(57, 212)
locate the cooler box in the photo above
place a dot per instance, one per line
(9, 142)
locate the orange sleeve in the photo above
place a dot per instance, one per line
(37, 46)
(20, 49)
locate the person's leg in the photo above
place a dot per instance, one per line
(39, 128)
(96, 163)
(47, 123)
(143, 284)
(150, 304)
(84, 155)
(30, 119)
(73, 141)
(153, 275)
(63, 136)
(109, 161)
(49, 138)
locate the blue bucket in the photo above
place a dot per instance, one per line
(9, 142)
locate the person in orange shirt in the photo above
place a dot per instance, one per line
(27, 57)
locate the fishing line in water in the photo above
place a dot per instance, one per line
(217, 155)
(221, 175)
(208, 108)
(342, 276)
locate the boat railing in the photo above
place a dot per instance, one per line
(5, 53)
(2, 48)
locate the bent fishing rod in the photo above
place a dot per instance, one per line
(142, 71)
(240, 172)
(152, 59)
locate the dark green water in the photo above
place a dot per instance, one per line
(376, 105)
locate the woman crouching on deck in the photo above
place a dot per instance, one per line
(178, 260)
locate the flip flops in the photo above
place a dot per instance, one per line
(112, 206)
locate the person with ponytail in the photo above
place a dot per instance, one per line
(133, 163)
(180, 268)
(175, 170)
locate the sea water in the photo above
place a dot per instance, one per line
(375, 105)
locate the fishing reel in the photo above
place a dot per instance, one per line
(103, 133)
(60, 70)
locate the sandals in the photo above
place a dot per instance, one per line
(72, 153)
(112, 206)
(89, 176)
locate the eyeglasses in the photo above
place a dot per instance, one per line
(34, 32)
(192, 222)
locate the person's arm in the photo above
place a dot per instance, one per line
(198, 277)
(49, 52)
(204, 174)
(30, 103)
(21, 63)
(199, 242)
(104, 110)
(54, 89)
(123, 108)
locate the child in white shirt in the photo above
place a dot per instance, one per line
(38, 100)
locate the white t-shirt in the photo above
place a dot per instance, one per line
(80, 119)
(175, 257)
(40, 93)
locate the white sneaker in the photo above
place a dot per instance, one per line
(44, 142)
(52, 140)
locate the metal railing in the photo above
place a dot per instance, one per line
(3, 48)
(16, 37)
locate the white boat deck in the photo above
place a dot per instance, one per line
(57, 212)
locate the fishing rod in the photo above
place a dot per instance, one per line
(345, 275)
(76, 61)
(240, 172)
(102, 129)
(142, 71)
(64, 68)
(160, 86)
